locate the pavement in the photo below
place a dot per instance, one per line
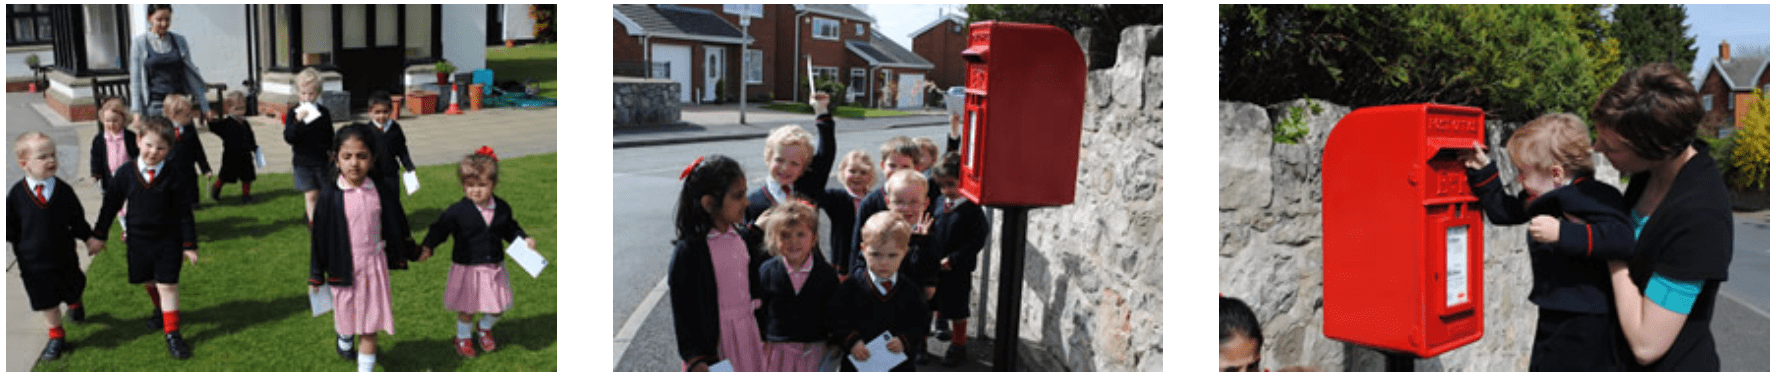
(432, 139)
(708, 123)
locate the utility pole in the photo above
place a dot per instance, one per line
(745, 21)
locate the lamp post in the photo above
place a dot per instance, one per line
(744, 23)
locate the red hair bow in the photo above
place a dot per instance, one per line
(488, 152)
(688, 168)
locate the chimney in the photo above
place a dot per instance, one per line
(1726, 53)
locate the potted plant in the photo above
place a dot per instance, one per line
(444, 68)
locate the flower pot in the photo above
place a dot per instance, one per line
(395, 112)
(443, 78)
(475, 96)
(422, 102)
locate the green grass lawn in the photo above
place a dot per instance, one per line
(533, 61)
(244, 305)
(842, 111)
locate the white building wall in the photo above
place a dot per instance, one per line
(465, 36)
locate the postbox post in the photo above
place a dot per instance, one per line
(1011, 287)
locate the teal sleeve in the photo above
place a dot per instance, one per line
(1675, 295)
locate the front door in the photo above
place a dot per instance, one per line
(713, 72)
(370, 56)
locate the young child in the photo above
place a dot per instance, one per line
(482, 223)
(187, 148)
(927, 154)
(790, 155)
(877, 299)
(710, 274)
(115, 144)
(1241, 340)
(159, 225)
(43, 217)
(899, 153)
(797, 287)
(857, 174)
(958, 232)
(392, 138)
(1575, 225)
(308, 140)
(359, 234)
(238, 145)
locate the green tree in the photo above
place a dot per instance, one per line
(1653, 33)
(1106, 21)
(1515, 61)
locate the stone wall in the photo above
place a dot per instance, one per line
(645, 101)
(1093, 274)
(1270, 249)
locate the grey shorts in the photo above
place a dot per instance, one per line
(307, 178)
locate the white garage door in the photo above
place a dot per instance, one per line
(911, 85)
(679, 58)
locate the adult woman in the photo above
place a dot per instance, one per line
(160, 64)
(1646, 126)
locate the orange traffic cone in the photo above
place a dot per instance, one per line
(453, 109)
(33, 87)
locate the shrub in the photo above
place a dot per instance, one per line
(1292, 127)
(1748, 163)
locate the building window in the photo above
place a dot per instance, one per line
(859, 29)
(1732, 100)
(825, 28)
(755, 70)
(826, 73)
(748, 10)
(30, 24)
(1707, 103)
(859, 82)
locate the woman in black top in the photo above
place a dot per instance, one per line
(1665, 294)
(160, 64)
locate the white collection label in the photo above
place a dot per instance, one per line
(1457, 262)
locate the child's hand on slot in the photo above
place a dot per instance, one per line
(1475, 158)
(859, 351)
(894, 345)
(1544, 229)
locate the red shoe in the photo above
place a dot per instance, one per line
(486, 340)
(463, 348)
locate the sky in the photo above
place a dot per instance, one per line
(898, 20)
(1741, 25)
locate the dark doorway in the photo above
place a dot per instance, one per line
(371, 58)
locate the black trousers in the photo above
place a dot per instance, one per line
(1574, 341)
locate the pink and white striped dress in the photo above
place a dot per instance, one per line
(483, 288)
(363, 307)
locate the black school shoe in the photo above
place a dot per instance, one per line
(176, 346)
(155, 321)
(77, 314)
(350, 352)
(216, 194)
(55, 349)
(246, 198)
(954, 356)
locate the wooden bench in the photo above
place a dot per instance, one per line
(118, 87)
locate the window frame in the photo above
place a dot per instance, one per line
(39, 14)
(836, 25)
(754, 66)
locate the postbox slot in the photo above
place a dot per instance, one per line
(977, 54)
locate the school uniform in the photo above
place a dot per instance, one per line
(159, 225)
(393, 155)
(876, 202)
(795, 300)
(841, 209)
(812, 183)
(42, 231)
(359, 234)
(706, 331)
(1576, 326)
(330, 257)
(1688, 238)
(187, 149)
(478, 281)
(111, 150)
(862, 309)
(958, 233)
(238, 145)
(309, 142)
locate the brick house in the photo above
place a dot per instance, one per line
(942, 43)
(1728, 87)
(840, 39)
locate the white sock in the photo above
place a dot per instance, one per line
(366, 363)
(462, 329)
(487, 320)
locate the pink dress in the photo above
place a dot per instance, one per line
(739, 339)
(116, 153)
(794, 356)
(482, 288)
(363, 307)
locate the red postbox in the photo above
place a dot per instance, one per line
(1023, 103)
(1403, 240)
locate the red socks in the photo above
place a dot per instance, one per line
(958, 332)
(57, 333)
(73, 306)
(170, 320)
(216, 186)
(246, 187)
(153, 295)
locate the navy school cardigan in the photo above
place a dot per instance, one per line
(477, 242)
